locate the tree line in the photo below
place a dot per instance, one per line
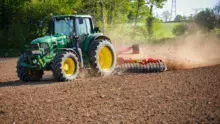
(25, 20)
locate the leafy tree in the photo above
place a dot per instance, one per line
(217, 9)
(184, 18)
(139, 10)
(179, 29)
(206, 19)
(117, 11)
(217, 13)
(190, 18)
(149, 22)
(166, 15)
(150, 18)
(178, 18)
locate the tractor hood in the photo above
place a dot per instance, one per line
(48, 39)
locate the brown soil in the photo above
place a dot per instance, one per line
(178, 96)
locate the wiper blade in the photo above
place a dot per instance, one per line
(68, 24)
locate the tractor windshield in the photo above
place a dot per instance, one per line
(63, 26)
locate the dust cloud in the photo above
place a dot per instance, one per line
(186, 52)
(193, 50)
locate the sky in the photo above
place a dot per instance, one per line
(185, 7)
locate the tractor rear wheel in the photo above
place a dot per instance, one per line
(65, 66)
(102, 57)
(27, 74)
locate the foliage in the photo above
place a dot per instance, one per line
(179, 29)
(24, 20)
(166, 15)
(149, 23)
(206, 19)
(190, 18)
(217, 9)
(217, 13)
(156, 3)
(163, 30)
(150, 18)
(180, 18)
(138, 11)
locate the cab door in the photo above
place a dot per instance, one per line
(83, 29)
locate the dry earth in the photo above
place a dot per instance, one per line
(178, 96)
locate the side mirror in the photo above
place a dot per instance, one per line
(96, 29)
(80, 20)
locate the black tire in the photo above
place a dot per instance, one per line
(94, 52)
(59, 73)
(27, 74)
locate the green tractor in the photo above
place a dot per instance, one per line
(72, 43)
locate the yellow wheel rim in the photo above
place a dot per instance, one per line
(69, 66)
(105, 58)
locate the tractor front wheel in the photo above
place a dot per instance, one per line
(27, 74)
(65, 66)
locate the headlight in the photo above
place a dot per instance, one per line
(45, 47)
(36, 52)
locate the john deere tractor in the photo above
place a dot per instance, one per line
(72, 43)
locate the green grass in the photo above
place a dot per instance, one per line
(124, 32)
(164, 30)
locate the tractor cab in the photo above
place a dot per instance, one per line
(71, 25)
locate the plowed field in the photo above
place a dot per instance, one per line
(177, 96)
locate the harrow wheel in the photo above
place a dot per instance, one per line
(146, 68)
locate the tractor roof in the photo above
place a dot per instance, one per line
(63, 16)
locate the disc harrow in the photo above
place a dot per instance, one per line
(150, 67)
(142, 66)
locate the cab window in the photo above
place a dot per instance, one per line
(80, 26)
(88, 25)
(83, 26)
(64, 26)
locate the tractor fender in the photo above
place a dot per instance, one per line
(92, 39)
(99, 36)
(69, 49)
